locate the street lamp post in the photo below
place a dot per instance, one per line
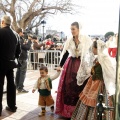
(36, 31)
(43, 22)
(61, 35)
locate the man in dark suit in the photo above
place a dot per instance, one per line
(9, 50)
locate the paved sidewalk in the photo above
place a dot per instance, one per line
(27, 103)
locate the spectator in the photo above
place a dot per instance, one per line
(112, 46)
(9, 50)
(36, 46)
(59, 47)
(49, 42)
(21, 72)
(31, 48)
(49, 58)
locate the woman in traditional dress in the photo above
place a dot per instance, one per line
(102, 80)
(76, 70)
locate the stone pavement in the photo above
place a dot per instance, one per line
(27, 103)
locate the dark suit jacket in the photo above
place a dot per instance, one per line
(25, 47)
(9, 47)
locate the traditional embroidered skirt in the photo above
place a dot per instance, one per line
(86, 106)
(68, 90)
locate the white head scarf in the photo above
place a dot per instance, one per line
(108, 65)
(67, 43)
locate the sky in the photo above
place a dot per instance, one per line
(96, 17)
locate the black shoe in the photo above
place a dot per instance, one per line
(68, 119)
(22, 91)
(11, 109)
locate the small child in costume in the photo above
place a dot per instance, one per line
(44, 86)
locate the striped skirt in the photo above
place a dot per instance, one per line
(86, 105)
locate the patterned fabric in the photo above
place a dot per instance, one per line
(87, 113)
(48, 84)
(96, 72)
(87, 57)
(108, 65)
(84, 112)
(89, 95)
(86, 106)
(68, 90)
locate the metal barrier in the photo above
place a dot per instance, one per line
(49, 58)
(101, 108)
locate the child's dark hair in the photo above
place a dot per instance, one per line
(42, 67)
(95, 44)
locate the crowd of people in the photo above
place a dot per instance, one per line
(87, 67)
(47, 45)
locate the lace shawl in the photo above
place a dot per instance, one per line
(87, 58)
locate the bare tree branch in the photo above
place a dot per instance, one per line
(26, 3)
(7, 1)
(4, 8)
(33, 4)
(34, 9)
(37, 23)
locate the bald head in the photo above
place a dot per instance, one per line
(5, 21)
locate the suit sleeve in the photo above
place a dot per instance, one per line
(18, 47)
(18, 50)
(65, 56)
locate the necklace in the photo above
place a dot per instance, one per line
(76, 45)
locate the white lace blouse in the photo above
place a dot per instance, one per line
(85, 53)
(73, 51)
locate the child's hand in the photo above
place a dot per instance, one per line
(58, 69)
(33, 91)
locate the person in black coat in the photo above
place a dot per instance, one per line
(21, 71)
(9, 50)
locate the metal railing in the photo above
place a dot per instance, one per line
(49, 58)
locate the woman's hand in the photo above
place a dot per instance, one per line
(58, 69)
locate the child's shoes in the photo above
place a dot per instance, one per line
(52, 110)
(42, 113)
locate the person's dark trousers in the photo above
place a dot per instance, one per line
(21, 74)
(11, 89)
